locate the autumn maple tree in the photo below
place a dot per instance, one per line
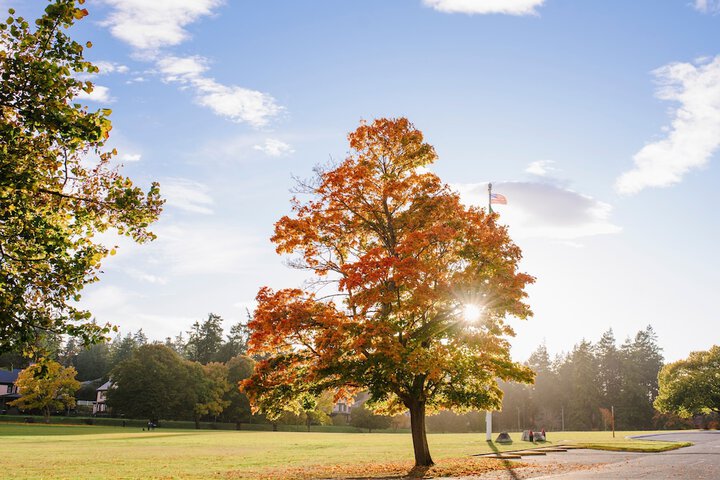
(59, 186)
(407, 263)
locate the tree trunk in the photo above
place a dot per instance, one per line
(417, 426)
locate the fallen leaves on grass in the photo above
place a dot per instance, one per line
(448, 467)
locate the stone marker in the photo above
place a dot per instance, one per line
(503, 438)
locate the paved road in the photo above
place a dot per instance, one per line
(698, 462)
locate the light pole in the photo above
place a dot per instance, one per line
(488, 426)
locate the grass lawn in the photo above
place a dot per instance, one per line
(89, 452)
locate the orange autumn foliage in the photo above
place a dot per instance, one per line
(404, 256)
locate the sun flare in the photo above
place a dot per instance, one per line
(471, 313)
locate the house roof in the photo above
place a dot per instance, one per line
(9, 376)
(104, 386)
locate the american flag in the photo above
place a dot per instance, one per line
(497, 198)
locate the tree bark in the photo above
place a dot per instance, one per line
(417, 427)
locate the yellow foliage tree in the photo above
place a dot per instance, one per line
(48, 387)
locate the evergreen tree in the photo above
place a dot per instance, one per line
(609, 369)
(641, 361)
(205, 340)
(583, 396)
(122, 348)
(93, 362)
(236, 343)
(544, 395)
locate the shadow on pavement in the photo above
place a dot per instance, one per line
(506, 463)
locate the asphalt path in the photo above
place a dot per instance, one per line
(700, 461)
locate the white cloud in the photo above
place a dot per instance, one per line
(246, 305)
(149, 25)
(106, 68)
(130, 157)
(707, 6)
(186, 195)
(145, 277)
(694, 133)
(540, 168)
(274, 148)
(540, 210)
(182, 69)
(99, 94)
(236, 103)
(196, 249)
(510, 7)
(105, 297)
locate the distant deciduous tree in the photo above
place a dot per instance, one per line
(58, 187)
(238, 411)
(406, 258)
(155, 383)
(48, 387)
(213, 388)
(691, 386)
(362, 417)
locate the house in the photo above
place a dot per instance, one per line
(100, 405)
(344, 407)
(8, 389)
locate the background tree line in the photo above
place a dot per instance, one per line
(577, 390)
(195, 376)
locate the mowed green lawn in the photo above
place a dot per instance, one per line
(89, 452)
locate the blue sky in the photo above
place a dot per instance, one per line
(599, 121)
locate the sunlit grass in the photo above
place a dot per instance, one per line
(89, 452)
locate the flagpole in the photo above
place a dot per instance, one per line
(490, 198)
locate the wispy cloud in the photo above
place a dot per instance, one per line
(145, 276)
(130, 157)
(694, 133)
(99, 94)
(541, 210)
(707, 6)
(106, 68)
(274, 148)
(540, 168)
(236, 103)
(150, 25)
(153, 26)
(187, 195)
(204, 249)
(509, 7)
(105, 297)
